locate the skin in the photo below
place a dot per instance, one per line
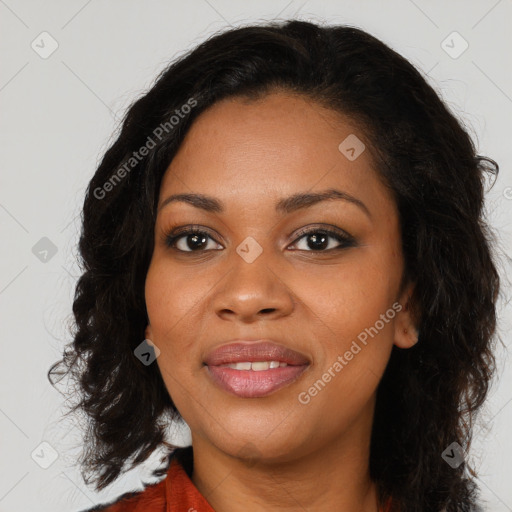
(274, 452)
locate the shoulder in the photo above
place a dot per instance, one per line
(128, 498)
(151, 499)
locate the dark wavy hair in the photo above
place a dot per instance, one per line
(429, 395)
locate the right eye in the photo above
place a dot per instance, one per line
(190, 240)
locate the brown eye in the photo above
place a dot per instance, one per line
(190, 241)
(321, 240)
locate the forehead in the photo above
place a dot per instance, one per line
(276, 145)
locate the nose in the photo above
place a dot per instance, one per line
(253, 291)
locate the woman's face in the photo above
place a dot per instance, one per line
(255, 275)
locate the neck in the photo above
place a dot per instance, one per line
(333, 477)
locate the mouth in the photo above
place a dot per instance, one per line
(253, 369)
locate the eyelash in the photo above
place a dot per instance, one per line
(344, 240)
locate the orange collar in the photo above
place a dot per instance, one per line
(176, 493)
(183, 496)
(181, 493)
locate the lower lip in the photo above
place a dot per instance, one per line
(251, 384)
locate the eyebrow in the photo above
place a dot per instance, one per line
(284, 206)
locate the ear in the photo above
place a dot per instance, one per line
(406, 330)
(148, 333)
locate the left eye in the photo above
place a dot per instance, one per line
(321, 240)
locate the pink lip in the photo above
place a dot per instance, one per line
(250, 383)
(260, 350)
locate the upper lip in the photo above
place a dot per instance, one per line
(251, 351)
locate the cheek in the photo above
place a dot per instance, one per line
(171, 297)
(173, 300)
(352, 296)
(354, 346)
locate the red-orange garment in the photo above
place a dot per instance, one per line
(176, 493)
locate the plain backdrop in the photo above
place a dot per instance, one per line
(69, 70)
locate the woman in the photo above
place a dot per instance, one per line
(285, 247)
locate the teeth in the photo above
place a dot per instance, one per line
(256, 366)
(240, 366)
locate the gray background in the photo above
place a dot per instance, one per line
(59, 115)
